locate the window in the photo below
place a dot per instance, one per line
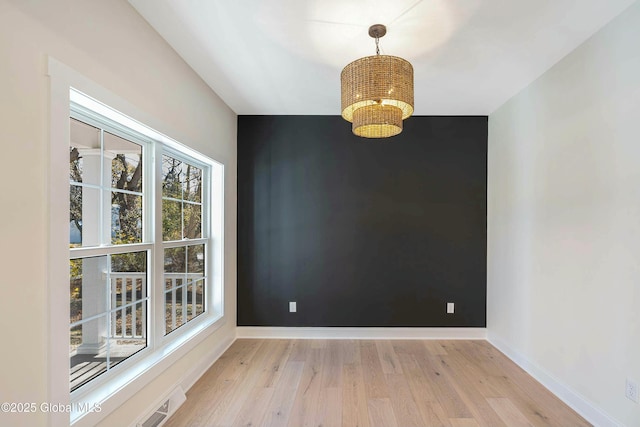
(184, 264)
(133, 249)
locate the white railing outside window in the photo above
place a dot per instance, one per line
(131, 289)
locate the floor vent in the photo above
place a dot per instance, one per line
(166, 408)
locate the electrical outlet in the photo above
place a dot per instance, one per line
(292, 307)
(631, 390)
(450, 308)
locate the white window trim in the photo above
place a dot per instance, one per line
(147, 366)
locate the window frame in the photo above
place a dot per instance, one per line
(206, 226)
(152, 239)
(139, 370)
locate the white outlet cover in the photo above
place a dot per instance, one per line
(450, 307)
(292, 307)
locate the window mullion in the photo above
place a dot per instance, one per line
(185, 242)
(102, 219)
(157, 285)
(89, 251)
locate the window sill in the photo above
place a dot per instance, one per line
(114, 392)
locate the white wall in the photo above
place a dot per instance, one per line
(109, 43)
(564, 223)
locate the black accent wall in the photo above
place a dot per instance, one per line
(361, 232)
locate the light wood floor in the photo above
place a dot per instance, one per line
(351, 383)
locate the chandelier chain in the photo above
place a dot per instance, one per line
(377, 46)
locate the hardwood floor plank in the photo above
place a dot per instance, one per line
(463, 422)
(464, 382)
(238, 366)
(422, 393)
(319, 344)
(435, 348)
(419, 385)
(474, 373)
(329, 413)
(279, 408)
(404, 406)
(305, 405)
(508, 412)
(196, 413)
(299, 350)
(277, 359)
(374, 381)
(354, 397)
(350, 350)
(332, 366)
(381, 413)
(435, 415)
(537, 414)
(388, 358)
(446, 394)
(254, 408)
(244, 377)
(411, 347)
(208, 391)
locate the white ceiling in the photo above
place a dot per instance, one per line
(285, 56)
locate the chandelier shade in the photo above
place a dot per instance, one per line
(377, 121)
(377, 94)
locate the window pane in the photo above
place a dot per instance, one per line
(90, 284)
(195, 262)
(75, 214)
(87, 352)
(109, 300)
(192, 221)
(75, 289)
(179, 321)
(84, 218)
(135, 262)
(88, 287)
(171, 220)
(126, 218)
(169, 311)
(174, 260)
(75, 165)
(184, 287)
(126, 162)
(190, 303)
(84, 152)
(172, 177)
(199, 290)
(192, 185)
(173, 308)
(173, 280)
(129, 305)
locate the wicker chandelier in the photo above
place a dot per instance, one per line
(377, 92)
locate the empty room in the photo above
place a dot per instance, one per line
(319, 213)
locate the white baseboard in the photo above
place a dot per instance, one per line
(576, 401)
(189, 378)
(361, 333)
